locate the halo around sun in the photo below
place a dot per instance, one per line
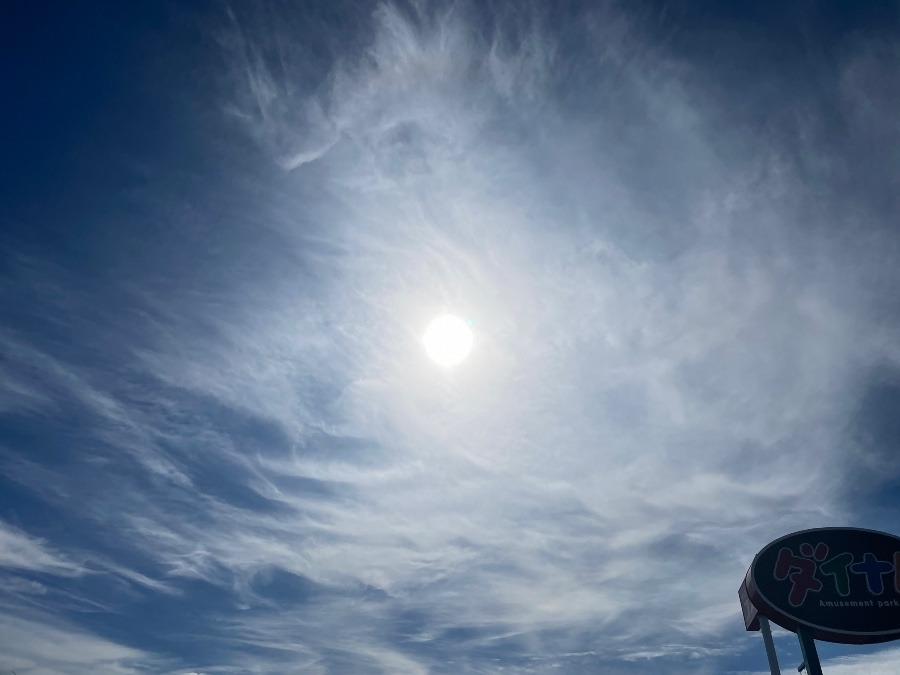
(448, 340)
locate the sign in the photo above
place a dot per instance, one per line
(841, 584)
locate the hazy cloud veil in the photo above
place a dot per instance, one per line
(681, 277)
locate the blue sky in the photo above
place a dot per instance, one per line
(226, 226)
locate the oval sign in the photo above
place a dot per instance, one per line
(840, 583)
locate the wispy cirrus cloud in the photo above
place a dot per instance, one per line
(677, 316)
(18, 550)
(882, 662)
(39, 644)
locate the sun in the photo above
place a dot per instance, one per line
(448, 340)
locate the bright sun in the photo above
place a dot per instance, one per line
(448, 340)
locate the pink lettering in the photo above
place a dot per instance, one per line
(802, 573)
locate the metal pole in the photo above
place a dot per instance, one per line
(810, 655)
(770, 645)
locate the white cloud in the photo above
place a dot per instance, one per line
(882, 662)
(20, 551)
(666, 357)
(39, 645)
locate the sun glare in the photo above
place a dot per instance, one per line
(448, 340)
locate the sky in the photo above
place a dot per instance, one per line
(225, 227)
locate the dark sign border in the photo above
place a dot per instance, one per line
(779, 616)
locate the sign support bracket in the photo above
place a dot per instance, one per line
(810, 655)
(770, 645)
